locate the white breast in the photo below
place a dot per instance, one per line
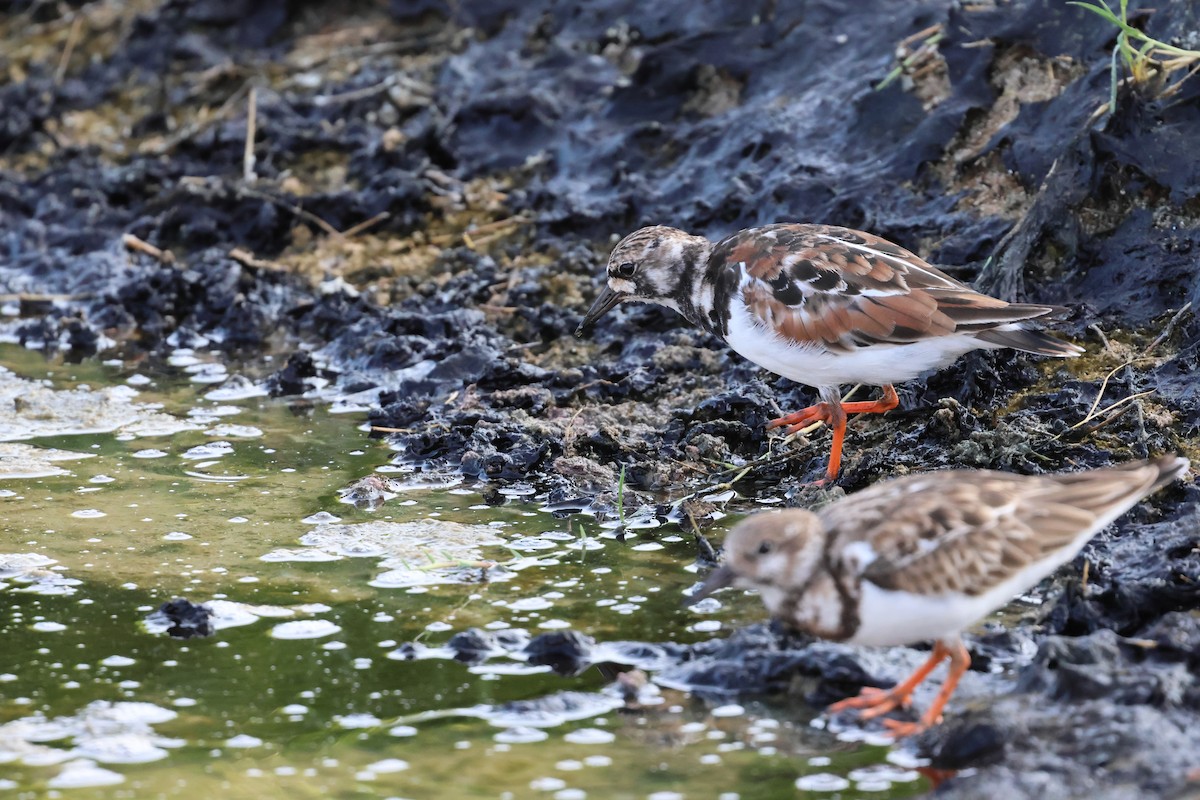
(813, 365)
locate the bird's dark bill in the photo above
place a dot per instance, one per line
(604, 303)
(719, 578)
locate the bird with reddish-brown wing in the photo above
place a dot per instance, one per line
(822, 305)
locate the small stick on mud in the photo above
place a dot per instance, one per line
(354, 230)
(295, 209)
(1109, 413)
(480, 233)
(421, 92)
(64, 63)
(248, 159)
(248, 259)
(439, 426)
(31, 297)
(1115, 410)
(132, 242)
(1169, 328)
(703, 546)
(931, 35)
(197, 126)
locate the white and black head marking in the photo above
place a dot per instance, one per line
(652, 265)
(647, 264)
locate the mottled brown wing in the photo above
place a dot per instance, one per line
(845, 289)
(967, 531)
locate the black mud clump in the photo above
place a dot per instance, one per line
(432, 192)
(183, 618)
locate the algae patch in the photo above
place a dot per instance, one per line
(420, 553)
(29, 409)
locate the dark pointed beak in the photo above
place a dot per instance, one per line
(719, 578)
(607, 300)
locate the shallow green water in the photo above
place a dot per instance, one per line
(89, 696)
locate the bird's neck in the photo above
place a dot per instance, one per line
(694, 296)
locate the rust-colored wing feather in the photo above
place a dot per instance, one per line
(844, 289)
(967, 531)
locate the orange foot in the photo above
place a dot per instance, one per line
(833, 413)
(802, 418)
(877, 702)
(901, 729)
(873, 702)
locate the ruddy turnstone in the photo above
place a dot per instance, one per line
(821, 305)
(924, 556)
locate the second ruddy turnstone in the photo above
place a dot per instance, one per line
(922, 557)
(821, 305)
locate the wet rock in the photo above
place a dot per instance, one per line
(472, 646)
(475, 646)
(1090, 667)
(965, 744)
(1091, 749)
(761, 660)
(185, 618)
(1136, 578)
(292, 379)
(566, 652)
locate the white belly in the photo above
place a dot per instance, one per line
(813, 365)
(888, 618)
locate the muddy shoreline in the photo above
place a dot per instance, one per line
(428, 194)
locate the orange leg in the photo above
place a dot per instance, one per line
(876, 702)
(960, 659)
(833, 413)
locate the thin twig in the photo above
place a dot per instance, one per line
(354, 230)
(1103, 387)
(621, 496)
(1168, 328)
(1107, 412)
(440, 426)
(1174, 88)
(496, 226)
(456, 564)
(703, 546)
(197, 126)
(295, 209)
(247, 258)
(248, 159)
(29, 297)
(1093, 413)
(64, 62)
(420, 90)
(132, 242)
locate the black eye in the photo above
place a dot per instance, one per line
(626, 269)
(764, 548)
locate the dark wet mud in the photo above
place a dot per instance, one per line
(418, 214)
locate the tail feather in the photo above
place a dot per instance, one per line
(971, 309)
(1122, 485)
(1170, 467)
(1029, 341)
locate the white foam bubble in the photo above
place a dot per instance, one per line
(305, 629)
